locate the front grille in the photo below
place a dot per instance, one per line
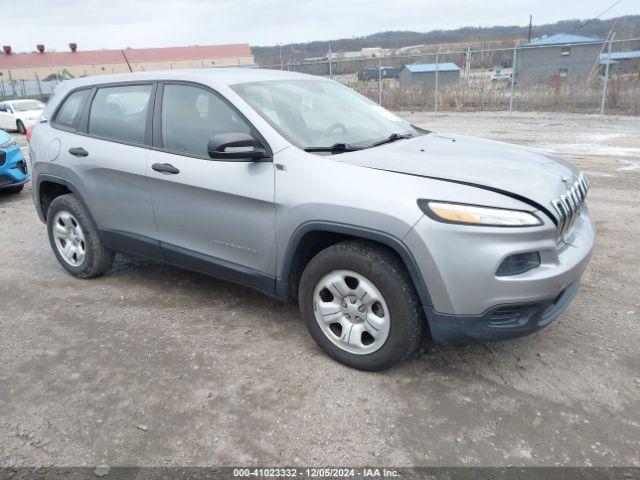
(3, 157)
(5, 181)
(568, 206)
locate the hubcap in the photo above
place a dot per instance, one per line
(351, 312)
(69, 238)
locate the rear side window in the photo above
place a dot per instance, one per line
(120, 113)
(69, 114)
(192, 115)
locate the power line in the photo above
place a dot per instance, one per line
(588, 22)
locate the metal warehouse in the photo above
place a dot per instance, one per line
(75, 63)
(560, 58)
(425, 74)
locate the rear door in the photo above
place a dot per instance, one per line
(107, 155)
(212, 216)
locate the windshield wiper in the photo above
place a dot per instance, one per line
(335, 148)
(391, 138)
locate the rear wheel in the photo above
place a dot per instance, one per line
(20, 127)
(359, 305)
(74, 238)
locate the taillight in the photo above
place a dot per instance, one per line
(29, 134)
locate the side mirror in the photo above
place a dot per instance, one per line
(236, 147)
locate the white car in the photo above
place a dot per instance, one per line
(501, 77)
(20, 114)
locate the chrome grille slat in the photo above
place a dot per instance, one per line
(568, 206)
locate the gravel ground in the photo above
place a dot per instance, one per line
(151, 365)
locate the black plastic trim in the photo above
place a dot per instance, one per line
(449, 329)
(219, 268)
(283, 282)
(140, 245)
(132, 243)
(46, 177)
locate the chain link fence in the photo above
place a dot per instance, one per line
(597, 77)
(17, 89)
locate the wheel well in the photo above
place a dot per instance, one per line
(48, 192)
(314, 242)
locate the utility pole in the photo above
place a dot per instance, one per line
(606, 76)
(513, 76)
(380, 81)
(126, 60)
(280, 56)
(530, 25)
(330, 66)
(436, 96)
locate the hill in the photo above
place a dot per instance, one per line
(626, 27)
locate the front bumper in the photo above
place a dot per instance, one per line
(470, 303)
(13, 168)
(498, 323)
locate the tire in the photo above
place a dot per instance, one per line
(17, 189)
(20, 127)
(92, 258)
(359, 267)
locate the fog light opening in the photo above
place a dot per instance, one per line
(518, 263)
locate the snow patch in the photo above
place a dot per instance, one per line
(630, 167)
(592, 149)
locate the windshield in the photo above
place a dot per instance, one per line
(318, 113)
(27, 105)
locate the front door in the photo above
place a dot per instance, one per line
(212, 216)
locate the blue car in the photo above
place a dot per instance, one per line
(14, 172)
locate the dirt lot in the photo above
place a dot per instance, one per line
(151, 365)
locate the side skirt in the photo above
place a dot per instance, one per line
(188, 259)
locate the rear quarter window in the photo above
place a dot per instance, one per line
(70, 112)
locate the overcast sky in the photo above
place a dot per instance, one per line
(98, 24)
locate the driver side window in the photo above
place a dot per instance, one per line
(191, 115)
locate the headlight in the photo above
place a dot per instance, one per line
(475, 215)
(10, 144)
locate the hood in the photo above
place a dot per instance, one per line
(519, 172)
(4, 137)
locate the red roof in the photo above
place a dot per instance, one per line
(96, 57)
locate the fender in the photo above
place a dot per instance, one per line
(283, 282)
(46, 177)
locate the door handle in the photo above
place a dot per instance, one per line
(78, 152)
(165, 168)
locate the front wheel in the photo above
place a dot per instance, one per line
(20, 127)
(359, 305)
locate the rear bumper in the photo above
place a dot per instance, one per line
(501, 322)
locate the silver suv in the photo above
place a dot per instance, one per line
(299, 187)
